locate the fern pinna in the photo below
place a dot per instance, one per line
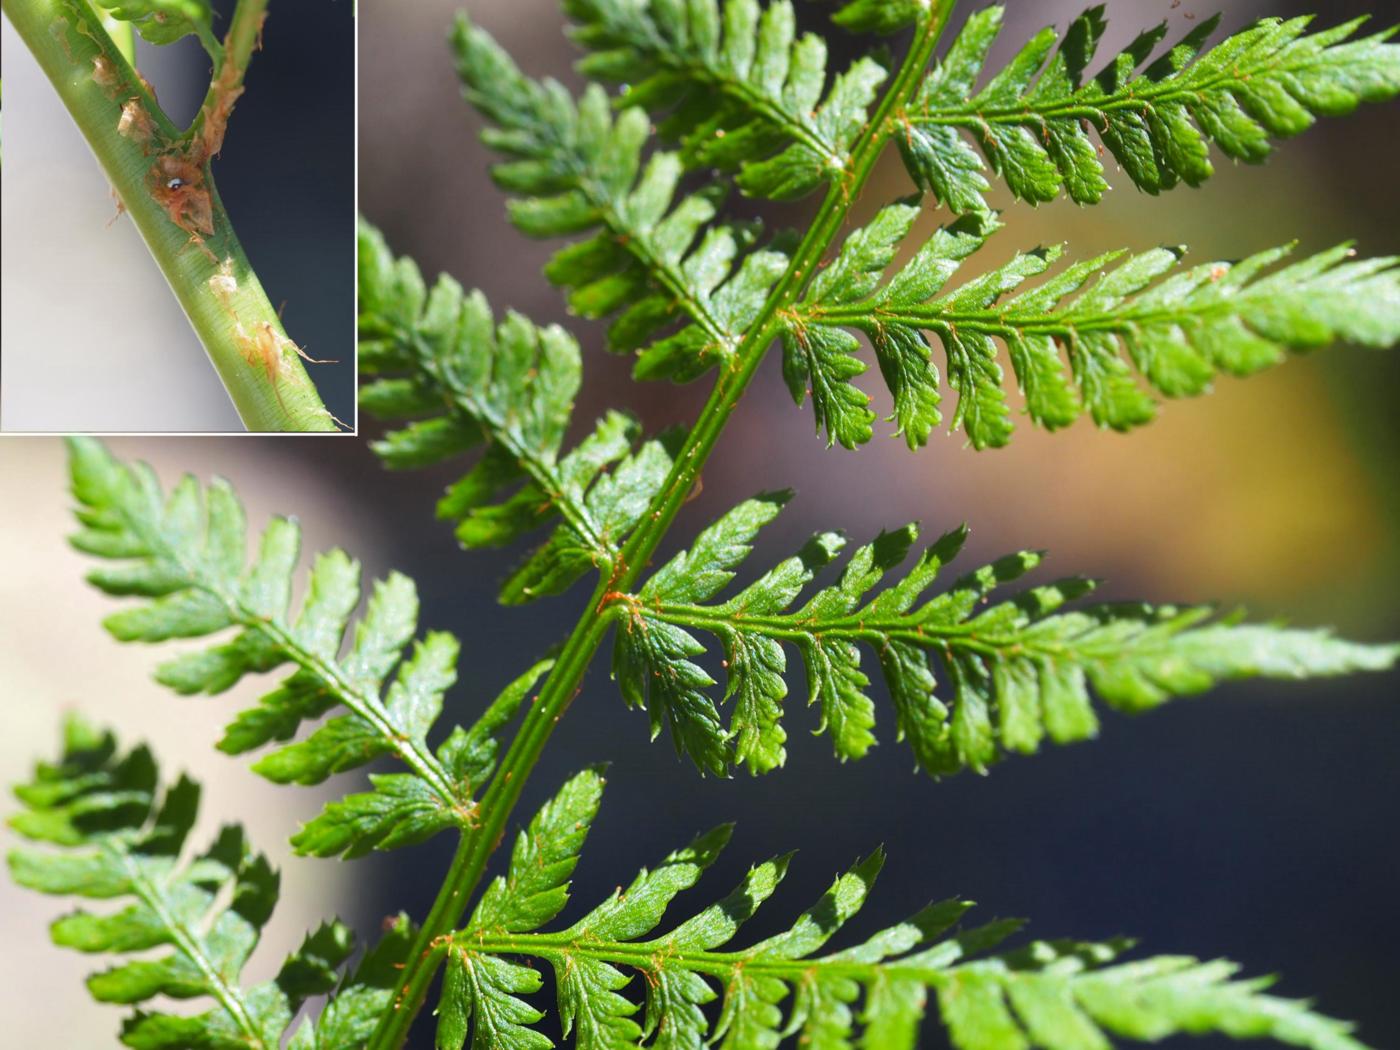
(973, 674)
(119, 833)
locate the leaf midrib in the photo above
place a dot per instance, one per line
(423, 763)
(660, 953)
(230, 997)
(543, 470)
(875, 631)
(1009, 322)
(1141, 93)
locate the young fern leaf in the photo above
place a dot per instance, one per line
(880, 16)
(440, 357)
(578, 168)
(184, 554)
(1018, 670)
(1179, 331)
(166, 21)
(1057, 995)
(120, 835)
(738, 91)
(360, 996)
(1031, 119)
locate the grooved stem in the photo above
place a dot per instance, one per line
(66, 37)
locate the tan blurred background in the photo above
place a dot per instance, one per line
(55, 657)
(1257, 822)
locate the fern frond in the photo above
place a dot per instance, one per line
(120, 835)
(440, 359)
(1179, 332)
(184, 555)
(1031, 119)
(739, 92)
(1019, 670)
(580, 169)
(1057, 995)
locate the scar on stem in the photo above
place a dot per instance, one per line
(226, 90)
(150, 88)
(104, 75)
(270, 348)
(134, 123)
(82, 27)
(223, 284)
(59, 29)
(265, 345)
(177, 185)
(121, 206)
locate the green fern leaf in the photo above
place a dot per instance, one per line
(359, 999)
(535, 889)
(166, 21)
(738, 90)
(1054, 995)
(121, 836)
(580, 169)
(880, 16)
(185, 555)
(1031, 119)
(481, 994)
(1179, 332)
(1018, 671)
(441, 360)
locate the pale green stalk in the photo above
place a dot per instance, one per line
(239, 329)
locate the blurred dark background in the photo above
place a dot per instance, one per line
(1258, 822)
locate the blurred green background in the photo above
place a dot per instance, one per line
(1258, 822)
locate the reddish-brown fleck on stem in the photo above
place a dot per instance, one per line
(243, 38)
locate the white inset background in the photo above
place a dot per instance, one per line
(91, 338)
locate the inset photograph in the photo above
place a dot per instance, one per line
(216, 227)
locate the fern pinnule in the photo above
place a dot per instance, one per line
(739, 90)
(441, 361)
(577, 168)
(1031, 118)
